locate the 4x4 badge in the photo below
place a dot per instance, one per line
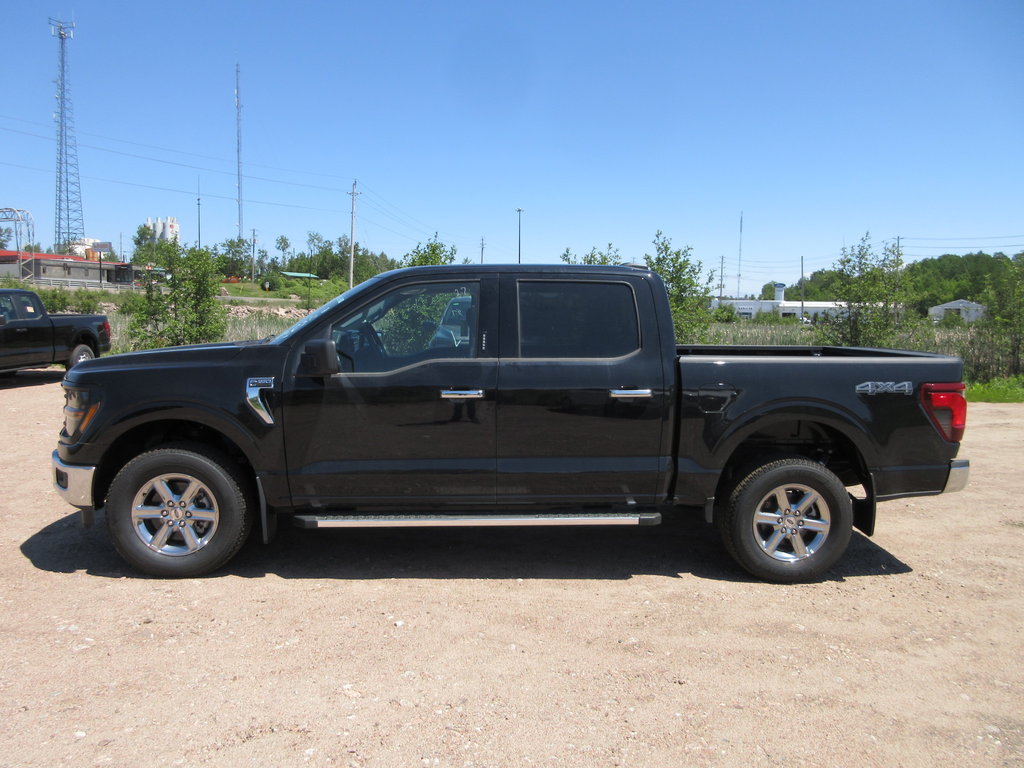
(885, 388)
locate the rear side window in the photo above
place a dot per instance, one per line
(573, 320)
(27, 306)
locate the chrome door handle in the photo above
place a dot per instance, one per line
(630, 394)
(462, 394)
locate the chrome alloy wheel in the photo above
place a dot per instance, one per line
(175, 514)
(791, 522)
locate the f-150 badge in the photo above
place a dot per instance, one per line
(253, 399)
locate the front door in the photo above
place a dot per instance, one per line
(410, 420)
(26, 338)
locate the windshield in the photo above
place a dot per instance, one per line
(313, 317)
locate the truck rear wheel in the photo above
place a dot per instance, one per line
(787, 521)
(179, 511)
(78, 354)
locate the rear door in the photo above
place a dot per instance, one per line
(582, 402)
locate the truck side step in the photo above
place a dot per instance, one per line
(475, 520)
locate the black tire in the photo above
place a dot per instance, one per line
(78, 354)
(787, 521)
(179, 511)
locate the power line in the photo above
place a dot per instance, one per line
(380, 204)
(952, 239)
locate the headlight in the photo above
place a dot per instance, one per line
(80, 406)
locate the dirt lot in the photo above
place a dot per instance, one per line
(514, 648)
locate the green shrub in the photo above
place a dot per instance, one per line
(1008, 390)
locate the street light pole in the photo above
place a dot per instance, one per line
(520, 212)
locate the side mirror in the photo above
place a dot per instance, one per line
(319, 358)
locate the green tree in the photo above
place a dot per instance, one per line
(689, 291)
(196, 315)
(283, 244)
(820, 286)
(433, 252)
(6, 235)
(188, 313)
(1004, 301)
(148, 316)
(873, 293)
(369, 264)
(724, 313)
(152, 252)
(594, 256)
(233, 257)
(950, 277)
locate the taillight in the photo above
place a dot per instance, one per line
(946, 407)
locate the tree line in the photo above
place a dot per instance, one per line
(881, 296)
(929, 282)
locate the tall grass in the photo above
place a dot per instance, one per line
(987, 355)
(759, 334)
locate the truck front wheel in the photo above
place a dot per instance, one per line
(787, 521)
(179, 511)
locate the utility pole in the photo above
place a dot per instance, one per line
(802, 289)
(352, 239)
(481, 250)
(238, 143)
(254, 256)
(721, 279)
(739, 266)
(199, 216)
(520, 212)
(899, 279)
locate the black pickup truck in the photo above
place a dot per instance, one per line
(31, 338)
(504, 396)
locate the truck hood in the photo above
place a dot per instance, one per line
(204, 355)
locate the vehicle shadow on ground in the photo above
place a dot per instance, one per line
(460, 553)
(34, 378)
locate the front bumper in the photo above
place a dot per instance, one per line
(959, 473)
(73, 482)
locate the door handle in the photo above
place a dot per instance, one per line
(462, 394)
(630, 394)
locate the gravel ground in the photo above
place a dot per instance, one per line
(513, 647)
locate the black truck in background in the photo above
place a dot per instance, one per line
(504, 396)
(32, 338)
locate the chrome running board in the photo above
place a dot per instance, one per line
(475, 520)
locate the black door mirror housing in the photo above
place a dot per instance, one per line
(319, 358)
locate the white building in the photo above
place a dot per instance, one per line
(746, 309)
(165, 229)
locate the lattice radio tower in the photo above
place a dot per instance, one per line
(69, 225)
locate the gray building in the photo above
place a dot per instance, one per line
(968, 311)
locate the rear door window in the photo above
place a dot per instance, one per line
(564, 319)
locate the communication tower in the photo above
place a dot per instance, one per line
(69, 225)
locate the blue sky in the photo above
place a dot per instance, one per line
(605, 122)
